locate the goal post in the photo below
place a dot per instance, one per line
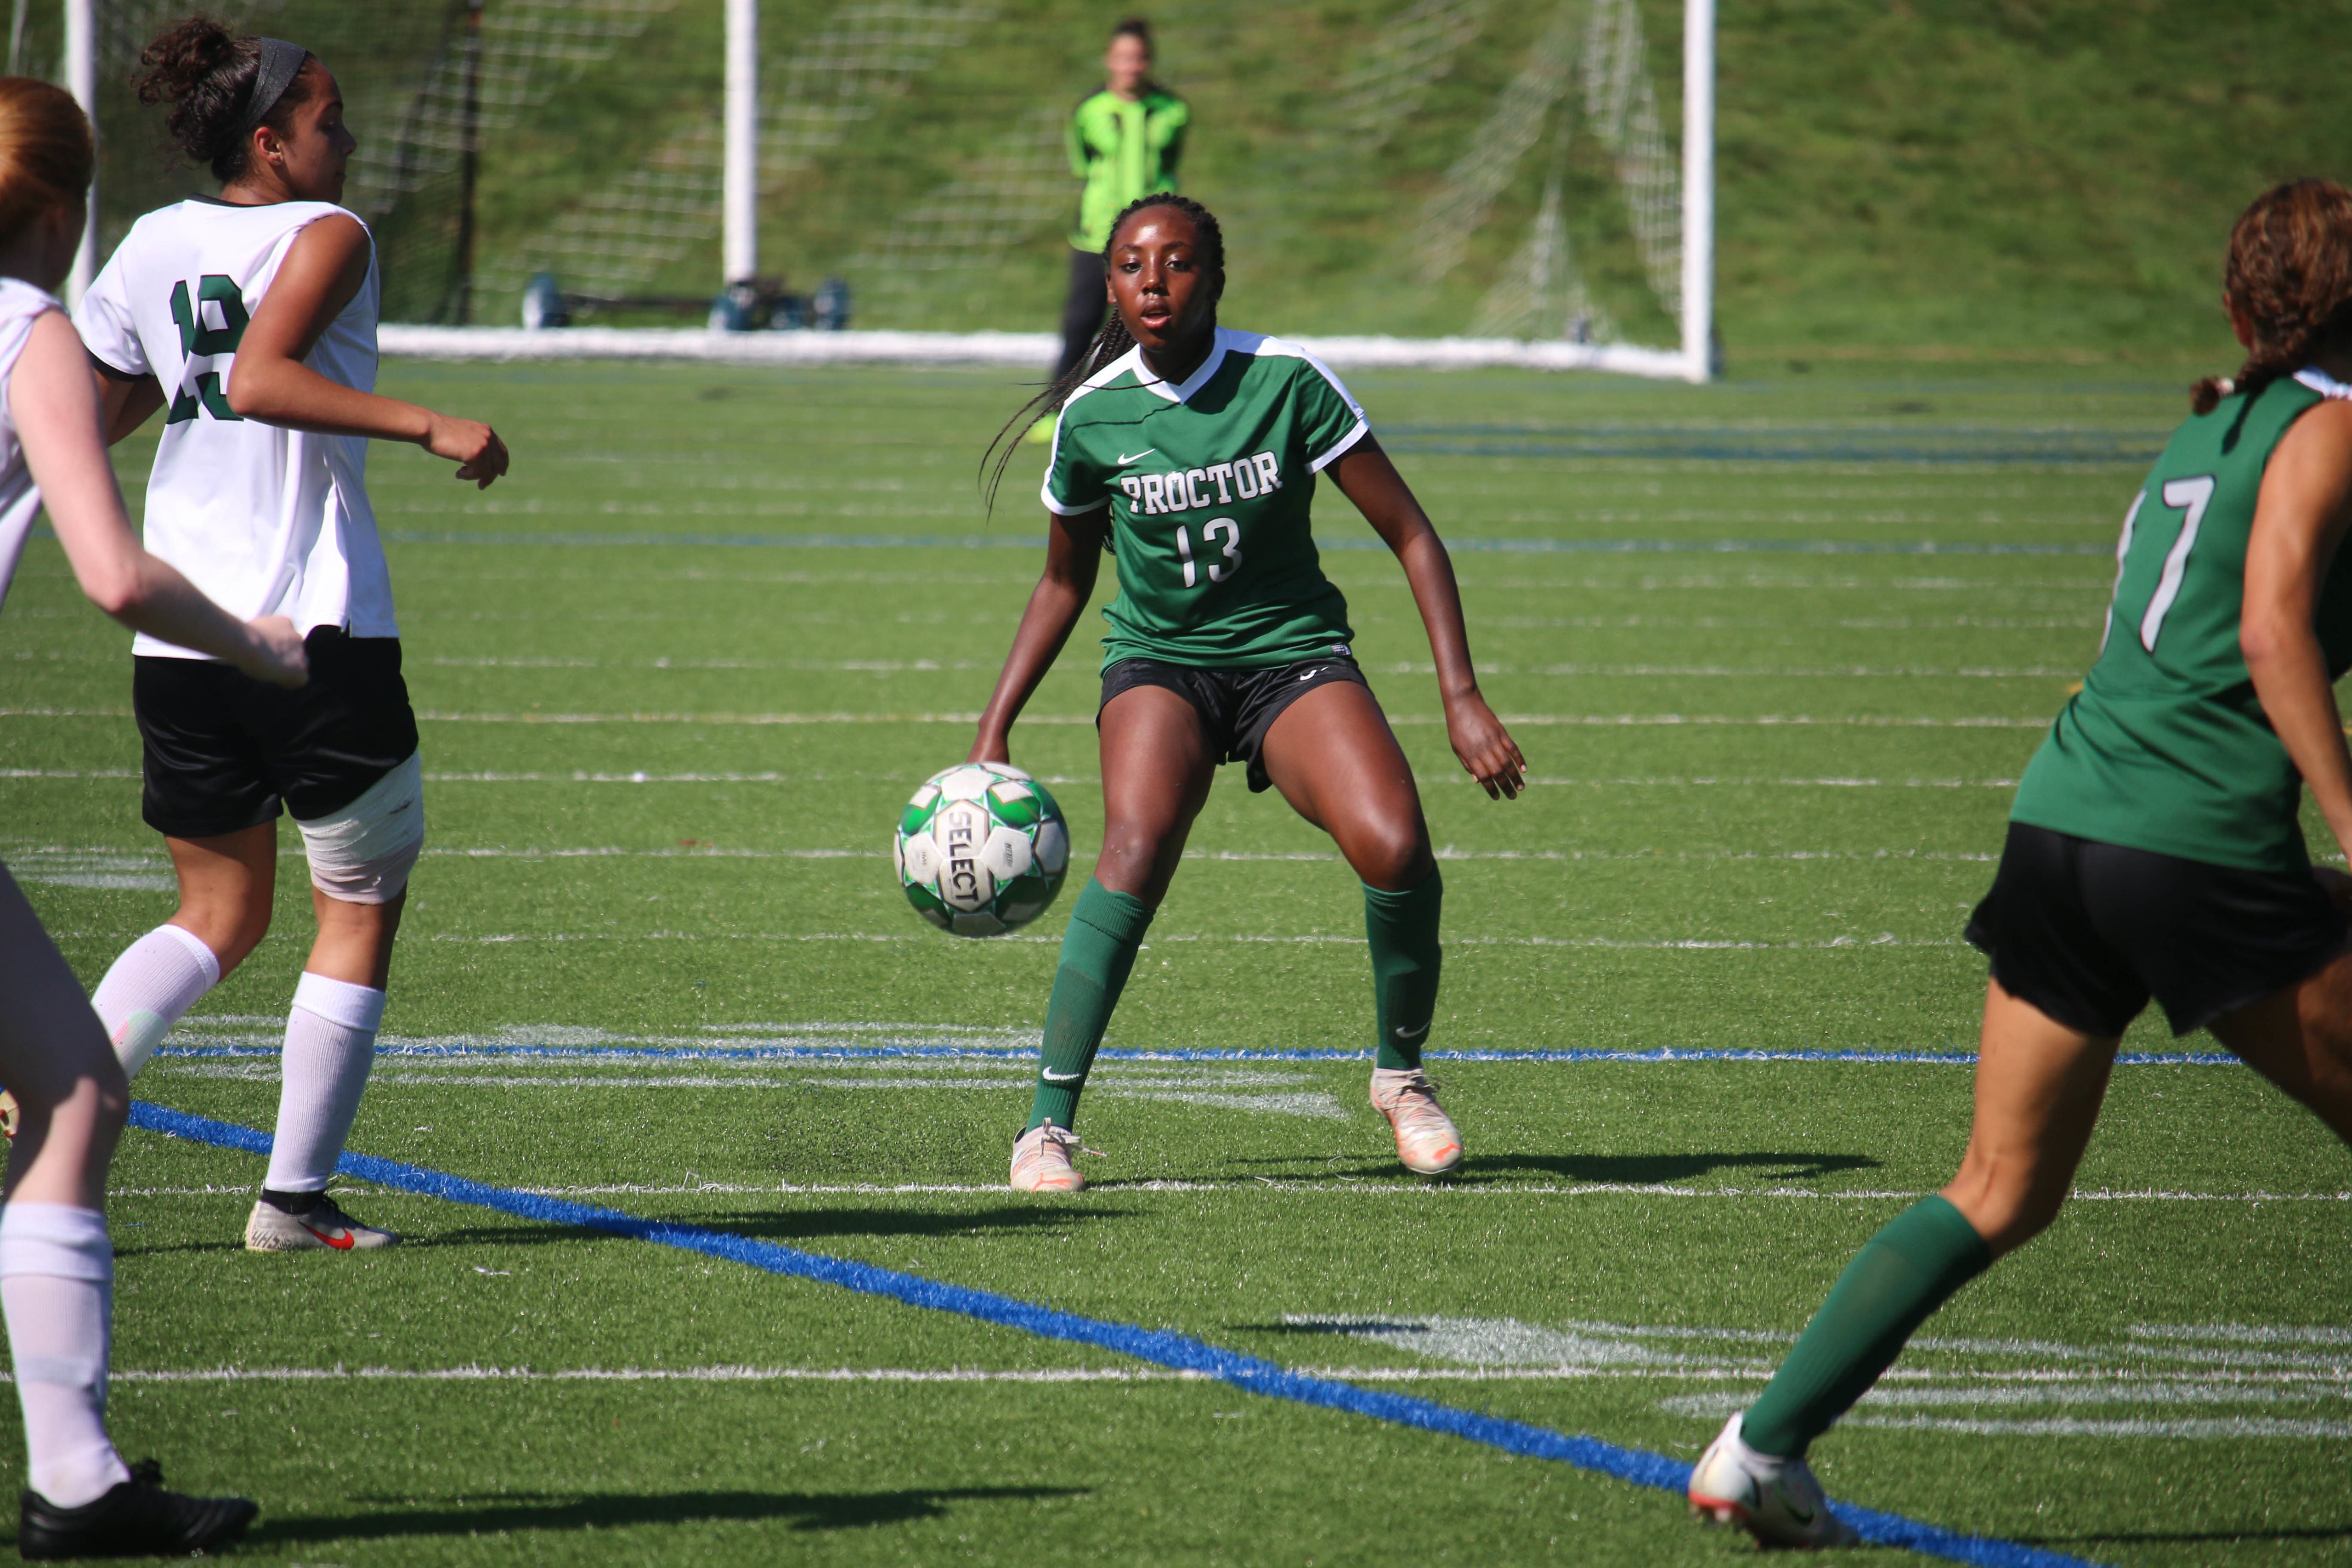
(82, 81)
(1698, 190)
(1617, 279)
(740, 179)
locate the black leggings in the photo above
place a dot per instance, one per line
(1081, 313)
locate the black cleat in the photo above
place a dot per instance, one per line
(136, 1519)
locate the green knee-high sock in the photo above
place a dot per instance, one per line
(1901, 1276)
(1403, 930)
(1097, 953)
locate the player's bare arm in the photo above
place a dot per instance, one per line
(1072, 556)
(125, 402)
(1365, 476)
(2306, 500)
(56, 411)
(323, 270)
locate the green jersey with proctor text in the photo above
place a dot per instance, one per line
(1209, 484)
(2166, 747)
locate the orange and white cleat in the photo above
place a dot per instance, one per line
(1774, 1500)
(1426, 1139)
(1041, 1161)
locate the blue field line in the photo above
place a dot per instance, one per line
(1663, 1053)
(1179, 1352)
(1037, 544)
(2136, 453)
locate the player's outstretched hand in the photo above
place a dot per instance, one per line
(276, 653)
(1485, 747)
(474, 447)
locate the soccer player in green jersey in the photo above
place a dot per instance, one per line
(2153, 850)
(1190, 451)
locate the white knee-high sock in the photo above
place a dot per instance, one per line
(57, 1288)
(158, 978)
(329, 1045)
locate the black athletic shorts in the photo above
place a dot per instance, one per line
(223, 751)
(2088, 931)
(1237, 707)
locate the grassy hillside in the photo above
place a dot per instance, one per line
(1982, 176)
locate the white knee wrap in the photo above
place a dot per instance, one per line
(364, 853)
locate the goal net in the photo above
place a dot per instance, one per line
(1533, 190)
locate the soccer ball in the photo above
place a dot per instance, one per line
(982, 849)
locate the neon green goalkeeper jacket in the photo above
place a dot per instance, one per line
(1123, 151)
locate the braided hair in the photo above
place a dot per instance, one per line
(2289, 277)
(1113, 340)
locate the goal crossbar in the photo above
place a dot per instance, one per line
(1028, 351)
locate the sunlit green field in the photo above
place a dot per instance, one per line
(1775, 652)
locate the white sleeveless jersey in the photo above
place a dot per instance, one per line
(266, 521)
(21, 305)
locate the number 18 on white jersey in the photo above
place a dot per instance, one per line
(263, 519)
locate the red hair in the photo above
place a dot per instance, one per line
(47, 155)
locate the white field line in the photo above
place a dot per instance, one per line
(1696, 945)
(2111, 1388)
(1047, 1376)
(98, 858)
(2072, 1427)
(1483, 667)
(641, 776)
(1318, 1106)
(1342, 1186)
(1597, 720)
(2243, 1333)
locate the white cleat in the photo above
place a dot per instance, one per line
(1427, 1141)
(1041, 1161)
(1774, 1500)
(272, 1229)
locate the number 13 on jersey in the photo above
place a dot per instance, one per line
(1219, 570)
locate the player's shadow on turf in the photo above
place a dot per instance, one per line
(2185, 1537)
(1658, 1170)
(798, 1224)
(808, 1510)
(820, 1225)
(1609, 1170)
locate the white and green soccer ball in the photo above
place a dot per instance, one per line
(982, 849)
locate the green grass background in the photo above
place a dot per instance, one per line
(568, 624)
(1986, 176)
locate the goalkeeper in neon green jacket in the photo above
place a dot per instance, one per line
(1125, 142)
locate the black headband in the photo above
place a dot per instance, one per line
(281, 62)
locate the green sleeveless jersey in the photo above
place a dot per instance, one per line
(1208, 484)
(2166, 747)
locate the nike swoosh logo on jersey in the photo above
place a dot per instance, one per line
(1124, 459)
(1053, 1077)
(1405, 1034)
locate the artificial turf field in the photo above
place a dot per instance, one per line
(1776, 651)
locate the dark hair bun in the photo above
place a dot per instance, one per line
(206, 74)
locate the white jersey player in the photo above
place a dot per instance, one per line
(250, 320)
(56, 1265)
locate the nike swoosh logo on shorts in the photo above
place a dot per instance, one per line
(1312, 673)
(1053, 1077)
(1124, 459)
